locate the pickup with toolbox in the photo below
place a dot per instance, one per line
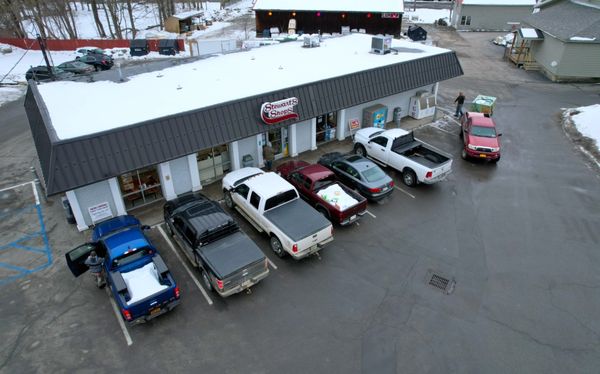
(272, 205)
(321, 189)
(416, 161)
(136, 274)
(229, 262)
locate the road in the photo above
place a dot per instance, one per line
(519, 238)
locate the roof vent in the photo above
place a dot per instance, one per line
(311, 41)
(381, 44)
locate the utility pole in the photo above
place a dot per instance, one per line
(42, 43)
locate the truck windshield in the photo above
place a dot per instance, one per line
(280, 199)
(131, 256)
(486, 132)
(373, 174)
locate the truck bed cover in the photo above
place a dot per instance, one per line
(297, 219)
(231, 253)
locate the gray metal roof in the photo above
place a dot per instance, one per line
(566, 19)
(71, 163)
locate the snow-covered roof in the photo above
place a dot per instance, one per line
(213, 81)
(383, 6)
(499, 2)
(184, 15)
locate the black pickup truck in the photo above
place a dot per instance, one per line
(228, 260)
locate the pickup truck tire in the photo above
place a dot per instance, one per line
(495, 161)
(360, 150)
(276, 246)
(228, 200)
(409, 178)
(206, 281)
(463, 154)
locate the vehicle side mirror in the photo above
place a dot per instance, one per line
(145, 227)
(500, 134)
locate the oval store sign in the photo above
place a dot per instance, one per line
(278, 111)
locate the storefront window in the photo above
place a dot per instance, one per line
(213, 163)
(140, 187)
(326, 126)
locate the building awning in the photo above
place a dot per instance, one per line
(527, 33)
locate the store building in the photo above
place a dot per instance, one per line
(317, 16)
(175, 130)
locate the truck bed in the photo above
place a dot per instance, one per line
(419, 153)
(297, 219)
(231, 253)
(142, 283)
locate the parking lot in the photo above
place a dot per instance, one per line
(517, 242)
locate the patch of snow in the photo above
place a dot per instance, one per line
(504, 40)
(8, 94)
(582, 39)
(499, 2)
(529, 32)
(587, 121)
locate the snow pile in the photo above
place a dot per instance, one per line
(8, 94)
(587, 122)
(142, 283)
(337, 197)
(504, 40)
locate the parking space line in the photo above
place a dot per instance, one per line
(208, 299)
(119, 318)
(271, 263)
(442, 130)
(406, 192)
(371, 214)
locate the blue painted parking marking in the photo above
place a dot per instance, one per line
(25, 252)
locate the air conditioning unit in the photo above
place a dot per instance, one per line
(381, 44)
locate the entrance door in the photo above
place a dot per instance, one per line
(279, 142)
(326, 127)
(140, 187)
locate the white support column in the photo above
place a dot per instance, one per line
(234, 155)
(166, 181)
(313, 134)
(342, 125)
(194, 172)
(259, 146)
(116, 195)
(293, 140)
(81, 225)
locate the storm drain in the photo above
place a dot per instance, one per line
(442, 283)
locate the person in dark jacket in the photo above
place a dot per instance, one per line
(94, 262)
(460, 100)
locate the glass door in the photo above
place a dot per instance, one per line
(213, 163)
(326, 126)
(279, 142)
(140, 187)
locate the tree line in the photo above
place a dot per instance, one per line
(54, 19)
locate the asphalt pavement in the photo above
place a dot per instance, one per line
(517, 242)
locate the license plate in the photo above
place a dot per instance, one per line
(353, 218)
(247, 283)
(154, 311)
(482, 155)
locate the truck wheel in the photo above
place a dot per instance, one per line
(360, 150)
(206, 281)
(460, 134)
(277, 247)
(228, 200)
(496, 160)
(323, 211)
(463, 154)
(409, 178)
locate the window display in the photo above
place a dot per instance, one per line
(140, 187)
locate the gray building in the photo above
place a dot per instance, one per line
(570, 47)
(172, 131)
(489, 15)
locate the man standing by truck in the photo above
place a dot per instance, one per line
(95, 264)
(460, 100)
(268, 156)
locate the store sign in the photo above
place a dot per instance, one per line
(390, 15)
(100, 211)
(354, 124)
(278, 111)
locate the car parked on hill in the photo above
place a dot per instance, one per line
(76, 67)
(99, 62)
(480, 139)
(41, 73)
(360, 173)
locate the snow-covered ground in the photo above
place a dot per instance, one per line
(427, 15)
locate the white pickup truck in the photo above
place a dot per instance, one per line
(397, 148)
(272, 205)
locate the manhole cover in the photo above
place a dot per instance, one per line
(442, 283)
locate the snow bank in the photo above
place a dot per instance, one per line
(587, 121)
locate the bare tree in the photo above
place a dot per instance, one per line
(10, 17)
(99, 25)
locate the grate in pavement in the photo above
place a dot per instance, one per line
(444, 284)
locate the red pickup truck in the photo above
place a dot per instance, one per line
(319, 186)
(480, 139)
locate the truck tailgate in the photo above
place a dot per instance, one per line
(230, 254)
(297, 220)
(313, 241)
(440, 172)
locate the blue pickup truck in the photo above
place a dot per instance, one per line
(138, 278)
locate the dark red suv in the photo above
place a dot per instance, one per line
(480, 139)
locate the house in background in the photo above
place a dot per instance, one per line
(318, 16)
(570, 47)
(489, 15)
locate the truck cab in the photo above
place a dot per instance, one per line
(480, 138)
